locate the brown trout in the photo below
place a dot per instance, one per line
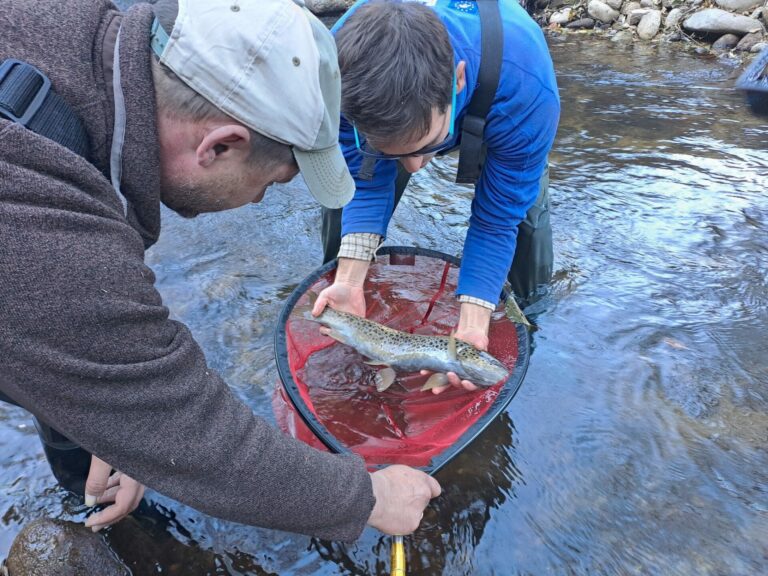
(396, 350)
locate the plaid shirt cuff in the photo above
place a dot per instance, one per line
(359, 246)
(472, 300)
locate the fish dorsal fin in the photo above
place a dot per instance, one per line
(452, 346)
(312, 299)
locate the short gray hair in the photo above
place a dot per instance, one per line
(177, 100)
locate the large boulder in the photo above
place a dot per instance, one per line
(716, 21)
(48, 547)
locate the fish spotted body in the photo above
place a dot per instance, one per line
(405, 352)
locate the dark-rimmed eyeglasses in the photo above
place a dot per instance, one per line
(368, 150)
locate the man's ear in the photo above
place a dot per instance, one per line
(228, 141)
(461, 79)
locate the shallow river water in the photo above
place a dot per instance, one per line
(638, 443)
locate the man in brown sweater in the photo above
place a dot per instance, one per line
(202, 111)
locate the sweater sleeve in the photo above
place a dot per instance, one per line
(507, 188)
(87, 345)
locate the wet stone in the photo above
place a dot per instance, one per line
(726, 42)
(47, 547)
(622, 37)
(629, 7)
(581, 24)
(738, 5)
(649, 25)
(601, 11)
(673, 18)
(748, 42)
(636, 16)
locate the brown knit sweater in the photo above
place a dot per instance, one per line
(85, 341)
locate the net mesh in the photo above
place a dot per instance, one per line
(402, 425)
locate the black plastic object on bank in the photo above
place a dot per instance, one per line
(754, 82)
(410, 289)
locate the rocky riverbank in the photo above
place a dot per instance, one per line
(705, 25)
(719, 25)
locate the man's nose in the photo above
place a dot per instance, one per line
(413, 164)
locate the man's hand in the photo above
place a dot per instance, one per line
(103, 487)
(474, 321)
(342, 297)
(401, 494)
(346, 293)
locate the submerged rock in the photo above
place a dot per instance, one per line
(623, 37)
(47, 547)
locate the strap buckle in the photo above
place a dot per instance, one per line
(16, 95)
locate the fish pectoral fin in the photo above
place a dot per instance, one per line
(384, 379)
(333, 334)
(437, 379)
(376, 363)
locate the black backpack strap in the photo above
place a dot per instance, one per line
(26, 97)
(472, 149)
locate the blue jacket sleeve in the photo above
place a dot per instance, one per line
(370, 209)
(508, 186)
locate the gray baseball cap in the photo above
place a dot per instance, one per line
(272, 65)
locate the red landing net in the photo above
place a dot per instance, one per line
(401, 425)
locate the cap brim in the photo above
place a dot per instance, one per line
(327, 176)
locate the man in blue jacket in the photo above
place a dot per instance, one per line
(409, 72)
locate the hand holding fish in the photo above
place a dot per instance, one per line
(394, 350)
(346, 293)
(342, 297)
(473, 326)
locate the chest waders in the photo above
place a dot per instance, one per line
(531, 267)
(27, 98)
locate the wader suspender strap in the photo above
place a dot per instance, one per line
(26, 97)
(472, 149)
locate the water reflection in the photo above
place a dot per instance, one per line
(636, 445)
